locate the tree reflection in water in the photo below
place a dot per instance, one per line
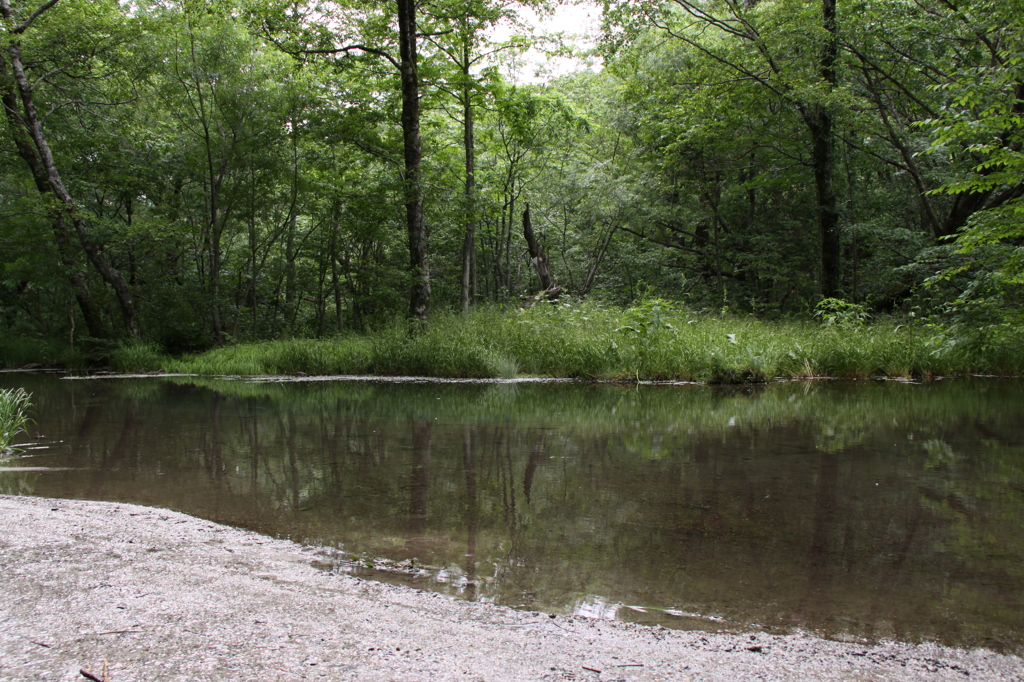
(864, 509)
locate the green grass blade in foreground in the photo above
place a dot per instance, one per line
(14, 405)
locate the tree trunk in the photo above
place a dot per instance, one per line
(291, 296)
(508, 243)
(473, 276)
(469, 243)
(537, 255)
(598, 257)
(819, 121)
(290, 256)
(215, 266)
(419, 295)
(335, 275)
(83, 295)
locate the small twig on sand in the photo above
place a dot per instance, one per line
(593, 670)
(40, 643)
(117, 632)
(89, 676)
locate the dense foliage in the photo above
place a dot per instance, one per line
(189, 173)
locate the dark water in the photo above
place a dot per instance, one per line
(868, 510)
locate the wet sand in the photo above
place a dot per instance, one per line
(160, 595)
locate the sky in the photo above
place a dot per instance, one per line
(580, 25)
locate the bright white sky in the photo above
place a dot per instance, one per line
(580, 24)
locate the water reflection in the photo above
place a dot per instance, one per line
(872, 510)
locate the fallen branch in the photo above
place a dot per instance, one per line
(547, 295)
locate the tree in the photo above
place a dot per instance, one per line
(419, 297)
(753, 42)
(461, 35)
(901, 62)
(341, 34)
(985, 117)
(26, 128)
(235, 117)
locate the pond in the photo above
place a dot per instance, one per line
(867, 510)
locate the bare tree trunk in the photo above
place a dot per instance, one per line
(419, 295)
(537, 255)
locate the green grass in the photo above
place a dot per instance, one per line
(14, 405)
(653, 340)
(345, 355)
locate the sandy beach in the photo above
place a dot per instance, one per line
(160, 595)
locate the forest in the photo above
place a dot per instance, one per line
(185, 175)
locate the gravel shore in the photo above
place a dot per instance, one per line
(160, 595)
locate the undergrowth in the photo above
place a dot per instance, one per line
(652, 340)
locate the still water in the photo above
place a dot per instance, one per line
(868, 510)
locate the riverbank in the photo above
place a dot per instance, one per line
(651, 341)
(159, 595)
(589, 341)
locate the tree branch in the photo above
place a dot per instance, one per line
(5, 10)
(334, 51)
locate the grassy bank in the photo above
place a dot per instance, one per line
(650, 341)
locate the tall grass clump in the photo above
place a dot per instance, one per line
(138, 357)
(656, 339)
(14, 406)
(564, 339)
(452, 346)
